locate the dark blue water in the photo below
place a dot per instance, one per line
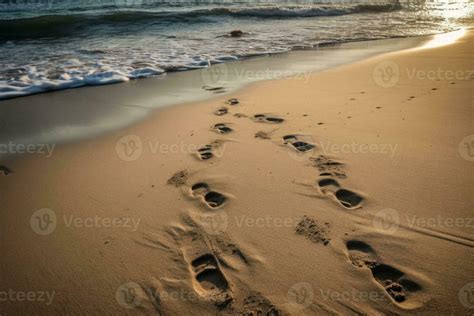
(48, 45)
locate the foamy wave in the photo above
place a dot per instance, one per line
(36, 82)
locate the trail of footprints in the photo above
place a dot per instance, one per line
(206, 266)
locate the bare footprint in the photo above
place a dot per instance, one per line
(313, 231)
(209, 280)
(346, 198)
(212, 199)
(221, 111)
(222, 128)
(329, 167)
(296, 143)
(233, 101)
(394, 281)
(179, 178)
(207, 152)
(267, 119)
(257, 304)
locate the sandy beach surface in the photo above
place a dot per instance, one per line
(346, 192)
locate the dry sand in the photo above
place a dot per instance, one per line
(178, 216)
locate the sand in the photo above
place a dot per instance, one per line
(347, 193)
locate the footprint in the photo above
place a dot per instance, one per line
(214, 89)
(233, 101)
(205, 152)
(221, 111)
(179, 178)
(329, 167)
(209, 279)
(391, 279)
(212, 199)
(208, 273)
(328, 182)
(6, 171)
(267, 119)
(346, 198)
(222, 128)
(257, 304)
(310, 228)
(296, 143)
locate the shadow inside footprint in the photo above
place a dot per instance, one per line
(348, 198)
(208, 273)
(233, 101)
(221, 111)
(268, 119)
(205, 152)
(297, 144)
(214, 199)
(328, 182)
(200, 188)
(221, 128)
(302, 146)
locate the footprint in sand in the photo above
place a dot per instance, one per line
(214, 89)
(312, 230)
(208, 278)
(233, 101)
(329, 167)
(267, 119)
(222, 128)
(207, 152)
(257, 304)
(391, 279)
(212, 199)
(346, 198)
(221, 111)
(296, 143)
(5, 170)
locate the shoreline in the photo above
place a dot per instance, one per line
(362, 222)
(125, 104)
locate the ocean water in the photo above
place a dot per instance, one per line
(57, 44)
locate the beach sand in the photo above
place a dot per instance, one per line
(350, 192)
